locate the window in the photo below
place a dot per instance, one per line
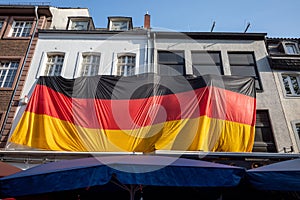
(54, 64)
(1, 24)
(291, 84)
(171, 63)
(8, 71)
(119, 26)
(206, 63)
(296, 127)
(21, 28)
(126, 65)
(290, 48)
(243, 64)
(119, 23)
(90, 64)
(79, 25)
(264, 141)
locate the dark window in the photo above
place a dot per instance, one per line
(298, 129)
(264, 140)
(243, 64)
(207, 63)
(171, 63)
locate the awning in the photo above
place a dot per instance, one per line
(281, 176)
(129, 170)
(8, 169)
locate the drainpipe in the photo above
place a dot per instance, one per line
(21, 70)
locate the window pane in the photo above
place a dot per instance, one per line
(171, 63)
(206, 63)
(298, 129)
(8, 71)
(291, 84)
(21, 28)
(263, 132)
(54, 65)
(291, 49)
(169, 70)
(243, 64)
(126, 65)
(200, 70)
(170, 57)
(241, 59)
(212, 58)
(90, 65)
(243, 71)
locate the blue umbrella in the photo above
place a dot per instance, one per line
(280, 176)
(128, 171)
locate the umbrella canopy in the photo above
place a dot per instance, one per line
(281, 176)
(126, 169)
(7, 169)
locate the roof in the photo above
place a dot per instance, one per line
(24, 10)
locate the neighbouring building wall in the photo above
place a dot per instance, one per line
(16, 48)
(267, 99)
(284, 56)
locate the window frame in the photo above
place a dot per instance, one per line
(90, 64)
(13, 83)
(2, 116)
(297, 135)
(73, 20)
(126, 64)
(170, 64)
(262, 143)
(293, 44)
(258, 83)
(289, 74)
(220, 66)
(4, 25)
(51, 54)
(10, 26)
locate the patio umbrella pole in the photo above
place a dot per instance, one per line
(131, 188)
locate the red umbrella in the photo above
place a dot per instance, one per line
(8, 169)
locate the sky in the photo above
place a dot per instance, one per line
(277, 18)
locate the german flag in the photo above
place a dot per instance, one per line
(140, 113)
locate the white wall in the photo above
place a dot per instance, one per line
(60, 16)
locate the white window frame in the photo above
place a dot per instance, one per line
(126, 68)
(6, 69)
(290, 84)
(56, 63)
(21, 30)
(89, 64)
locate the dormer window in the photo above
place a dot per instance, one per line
(289, 47)
(119, 23)
(119, 26)
(80, 23)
